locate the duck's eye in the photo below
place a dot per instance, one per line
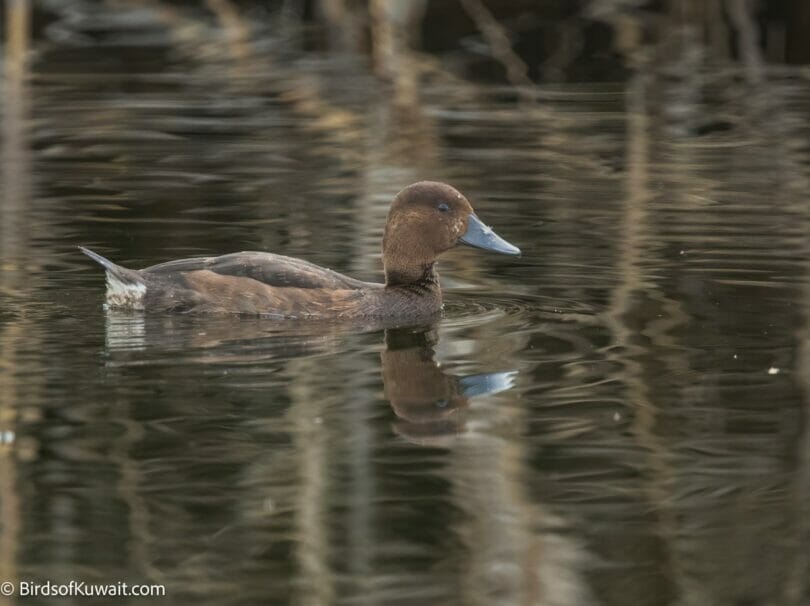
(443, 207)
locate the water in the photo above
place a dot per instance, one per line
(617, 417)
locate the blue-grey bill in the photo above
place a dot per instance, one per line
(482, 236)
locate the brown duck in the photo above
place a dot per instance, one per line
(425, 220)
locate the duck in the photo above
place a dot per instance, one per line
(424, 220)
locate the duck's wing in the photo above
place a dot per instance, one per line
(267, 268)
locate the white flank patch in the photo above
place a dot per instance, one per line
(128, 295)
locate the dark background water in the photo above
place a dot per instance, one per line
(617, 417)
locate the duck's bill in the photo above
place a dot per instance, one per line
(482, 236)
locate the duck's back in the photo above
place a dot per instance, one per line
(267, 268)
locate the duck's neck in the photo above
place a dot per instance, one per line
(421, 276)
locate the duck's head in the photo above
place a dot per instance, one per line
(425, 220)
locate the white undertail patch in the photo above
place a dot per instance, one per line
(125, 287)
(124, 294)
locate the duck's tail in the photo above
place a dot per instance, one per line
(125, 287)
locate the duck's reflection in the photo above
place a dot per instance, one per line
(430, 404)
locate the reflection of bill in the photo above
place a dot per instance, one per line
(430, 404)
